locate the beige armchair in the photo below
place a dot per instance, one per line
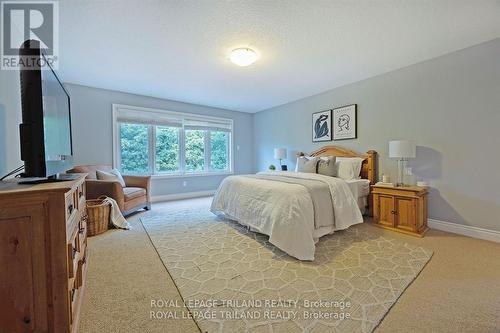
(134, 196)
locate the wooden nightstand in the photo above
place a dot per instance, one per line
(402, 209)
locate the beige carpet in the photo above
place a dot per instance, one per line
(124, 275)
(349, 287)
(458, 291)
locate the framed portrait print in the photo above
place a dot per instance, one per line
(344, 122)
(322, 126)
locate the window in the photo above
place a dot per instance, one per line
(134, 144)
(219, 150)
(169, 143)
(167, 149)
(195, 150)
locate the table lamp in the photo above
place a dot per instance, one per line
(402, 150)
(280, 154)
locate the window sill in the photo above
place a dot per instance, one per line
(190, 175)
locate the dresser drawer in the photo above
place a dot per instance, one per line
(75, 291)
(82, 235)
(82, 206)
(80, 195)
(72, 224)
(72, 300)
(71, 204)
(73, 256)
(82, 247)
(81, 268)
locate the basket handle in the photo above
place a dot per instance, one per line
(104, 197)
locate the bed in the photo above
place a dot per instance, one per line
(360, 189)
(295, 209)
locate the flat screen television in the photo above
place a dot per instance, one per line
(46, 141)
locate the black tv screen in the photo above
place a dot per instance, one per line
(46, 143)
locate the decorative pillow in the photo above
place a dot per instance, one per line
(113, 175)
(348, 167)
(306, 164)
(326, 166)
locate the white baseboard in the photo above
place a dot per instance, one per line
(466, 230)
(180, 196)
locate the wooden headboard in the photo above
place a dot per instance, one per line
(368, 168)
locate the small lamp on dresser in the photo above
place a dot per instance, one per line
(402, 150)
(280, 154)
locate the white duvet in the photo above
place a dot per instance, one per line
(285, 211)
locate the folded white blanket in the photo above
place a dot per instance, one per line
(318, 190)
(115, 215)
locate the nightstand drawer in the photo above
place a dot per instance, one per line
(397, 191)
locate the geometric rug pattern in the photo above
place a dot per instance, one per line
(234, 280)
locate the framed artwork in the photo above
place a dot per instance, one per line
(344, 122)
(322, 126)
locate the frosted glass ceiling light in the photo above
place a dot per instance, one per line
(243, 56)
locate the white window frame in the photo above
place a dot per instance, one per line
(116, 109)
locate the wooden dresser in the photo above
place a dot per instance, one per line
(403, 209)
(43, 256)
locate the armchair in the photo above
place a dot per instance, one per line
(134, 196)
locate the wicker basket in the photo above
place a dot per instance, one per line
(97, 216)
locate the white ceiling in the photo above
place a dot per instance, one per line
(178, 49)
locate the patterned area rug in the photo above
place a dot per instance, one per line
(234, 280)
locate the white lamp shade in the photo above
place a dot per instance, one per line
(402, 149)
(279, 153)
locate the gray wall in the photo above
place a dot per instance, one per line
(10, 117)
(92, 138)
(450, 106)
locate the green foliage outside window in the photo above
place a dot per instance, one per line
(195, 150)
(167, 149)
(219, 142)
(134, 148)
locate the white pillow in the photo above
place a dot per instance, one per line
(348, 167)
(113, 175)
(306, 164)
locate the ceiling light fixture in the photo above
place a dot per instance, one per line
(243, 56)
